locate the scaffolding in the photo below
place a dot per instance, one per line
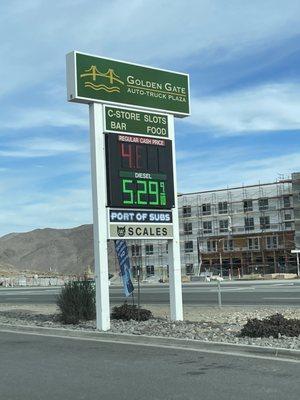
(206, 244)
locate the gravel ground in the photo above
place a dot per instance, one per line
(201, 323)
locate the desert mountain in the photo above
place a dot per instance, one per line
(68, 251)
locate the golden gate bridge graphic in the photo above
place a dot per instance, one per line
(93, 72)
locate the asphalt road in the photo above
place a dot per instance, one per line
(233, 293)
(45, 368)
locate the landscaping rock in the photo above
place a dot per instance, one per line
(205, 324)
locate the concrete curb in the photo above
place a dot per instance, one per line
(143, 340)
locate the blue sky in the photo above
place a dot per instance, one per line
(244, 64)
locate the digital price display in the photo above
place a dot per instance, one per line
(139, 172)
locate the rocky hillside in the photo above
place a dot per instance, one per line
(68, 251)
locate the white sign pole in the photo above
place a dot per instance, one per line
(175, 286)
(98, 169)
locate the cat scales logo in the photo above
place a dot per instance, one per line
(109, 81)
(121, 231)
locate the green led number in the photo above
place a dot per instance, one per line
(142, 191)
(153, 189)
(128, 191)
(163, 199)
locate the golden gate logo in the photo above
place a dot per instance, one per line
(95, 75)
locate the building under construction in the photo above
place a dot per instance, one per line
(231, 232)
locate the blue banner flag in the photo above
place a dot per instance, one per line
(124, 262)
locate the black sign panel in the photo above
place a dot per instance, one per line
(139, 172)
(141, 216)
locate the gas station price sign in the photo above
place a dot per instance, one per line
(139, 172)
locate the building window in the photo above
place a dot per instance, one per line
(253, 243)
(207, 227)
(206, 209)
(271, 242)
(211, 245)
(149, 249)
(286, 201)
(248, 205)
(287, 217)
(223, 224)
(189, 269)
(287, 221)
(186, 211)
(249, 224)
(247, 258)
(264, 222)
(150, 270)
(135, 250)
(263, 204)
(188, 247)
(228, 245)
(222, 207)
(135, 269)
(188, 228)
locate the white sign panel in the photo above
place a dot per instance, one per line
(139, 231)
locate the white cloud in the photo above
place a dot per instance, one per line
(156, 32)
(43, 147)
(221, 169)
(34, 117)
(62, 209)
(265, 108)
(35, 196)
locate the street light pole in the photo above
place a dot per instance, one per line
(199, 256)
(221, 260)
(298, 267)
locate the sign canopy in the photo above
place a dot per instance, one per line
(97, 79)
